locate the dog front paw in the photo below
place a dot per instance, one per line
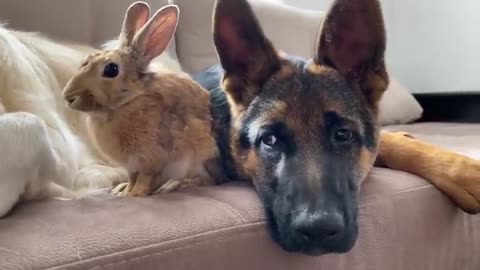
(463, 186)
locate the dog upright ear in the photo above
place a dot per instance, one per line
(352, 40)
(245, 53)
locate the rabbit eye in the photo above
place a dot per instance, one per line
(110, 70)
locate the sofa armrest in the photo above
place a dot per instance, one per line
(463, 107)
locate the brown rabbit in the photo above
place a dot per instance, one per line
(156, 124)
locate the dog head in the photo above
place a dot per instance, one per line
(305, 130)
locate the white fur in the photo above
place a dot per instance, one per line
(280, 166)
(46, 150)
(253, 130)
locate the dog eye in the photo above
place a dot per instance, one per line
(343, 136)
(110, 70)
(269, 140)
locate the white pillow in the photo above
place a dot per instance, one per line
(398, 106)
(194, 41)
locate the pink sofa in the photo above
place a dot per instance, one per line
(405, 224)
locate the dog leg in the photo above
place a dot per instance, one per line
(28, 162)
(12, 186)
(55, 191)
(94, 173)
(458, 176)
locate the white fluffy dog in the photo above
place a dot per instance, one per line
(45, 148)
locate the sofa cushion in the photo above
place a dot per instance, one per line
(398, 105)
(405, 223)
(292, 30)
(461, 138)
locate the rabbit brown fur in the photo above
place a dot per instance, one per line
(156, 124)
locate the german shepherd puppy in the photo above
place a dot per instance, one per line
(305, 131)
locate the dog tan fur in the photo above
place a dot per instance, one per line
(305, 131)
(454, 174)
(460, 180)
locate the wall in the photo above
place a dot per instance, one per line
(433, 45)
(90, 21)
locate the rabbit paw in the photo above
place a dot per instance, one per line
(170, 186)
(139, 191)
(141, 186)
(175, 184)
(126, 189)
(121, 189)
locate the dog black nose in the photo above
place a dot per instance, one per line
(320, 226)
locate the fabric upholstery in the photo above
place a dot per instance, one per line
(405, 223)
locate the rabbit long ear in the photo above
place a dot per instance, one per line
(155, 36)
(135, 18)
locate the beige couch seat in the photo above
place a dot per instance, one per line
(405, 224)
